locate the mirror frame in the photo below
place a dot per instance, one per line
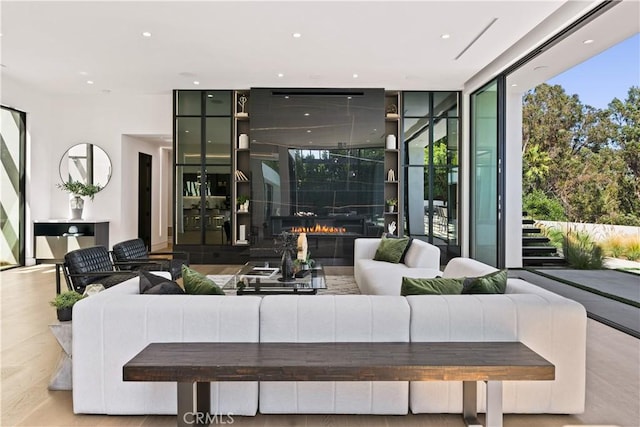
(63, 167)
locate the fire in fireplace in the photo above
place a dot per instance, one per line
(319, 229)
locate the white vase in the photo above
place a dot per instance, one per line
(243, 141)
(77, 205)
(392, 208)
(242, 233)
(391, 142)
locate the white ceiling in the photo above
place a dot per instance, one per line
(58, 46)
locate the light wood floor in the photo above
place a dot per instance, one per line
(30, 353)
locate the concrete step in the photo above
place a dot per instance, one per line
(531, 230)
(542, 260)
(533, 240)
(528, 221)
(538, 250)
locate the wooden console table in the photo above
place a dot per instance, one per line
(201, 363)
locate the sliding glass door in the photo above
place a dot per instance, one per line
(12, 200)
(486, 177)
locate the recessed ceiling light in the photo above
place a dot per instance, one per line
(588, 41)
(195, 82)
(445, 36)
(308, 130)
(296, 35)
(89, 82)
(280, 75)
(306, 114)
(286, 97)
(146, 34)
(540, 67)
(186, 131)
(349, 97)
(355, 76)
(514, 85)
(210, 96)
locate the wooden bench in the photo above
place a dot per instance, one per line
(201, 363)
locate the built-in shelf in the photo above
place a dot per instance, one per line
(392, 159)
(54, 238)
(241, 162)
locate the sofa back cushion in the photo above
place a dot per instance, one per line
(422, 255)
(466, 267)
(334, 318)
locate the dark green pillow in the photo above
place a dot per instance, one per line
(493, 283)
(391, 250)
(198, 284)
(432, 286)
(406, 249)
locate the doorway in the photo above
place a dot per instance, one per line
(144, 198)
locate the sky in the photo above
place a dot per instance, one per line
(605, 76)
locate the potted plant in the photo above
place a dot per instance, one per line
(64, 302)
(392, 203)
(243, 203)
(79, 190)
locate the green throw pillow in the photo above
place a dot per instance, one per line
(198, 284)
(493, 283)
(391, 250)
(433, 286)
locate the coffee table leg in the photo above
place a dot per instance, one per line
(494, 403)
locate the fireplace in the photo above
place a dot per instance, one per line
(330, 237)
(320, 226)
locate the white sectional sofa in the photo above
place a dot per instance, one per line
(111, 327)
(384, 278)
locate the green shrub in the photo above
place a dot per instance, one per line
(632, 250)
(66, 299)
(582, 252)
(556, 236)
(541, 206)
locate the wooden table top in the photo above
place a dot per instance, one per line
(429, 361)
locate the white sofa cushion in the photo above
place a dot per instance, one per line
(113, 326)
(331, 318)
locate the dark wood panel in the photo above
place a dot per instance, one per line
(446, 361)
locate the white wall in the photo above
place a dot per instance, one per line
(513, 181)
(56, 122)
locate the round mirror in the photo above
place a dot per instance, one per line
(86, 163)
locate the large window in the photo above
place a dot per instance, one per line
(431, 128)
(487, 140)
(12, 153)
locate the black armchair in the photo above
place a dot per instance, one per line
(132, 255)
(91, 265)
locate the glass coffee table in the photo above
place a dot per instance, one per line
(264, 278)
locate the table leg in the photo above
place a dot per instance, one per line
(203, 398)
(470, 403)
(494, 403)
(188, 413)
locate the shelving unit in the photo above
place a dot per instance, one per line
(392, 163)
(241, 170)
